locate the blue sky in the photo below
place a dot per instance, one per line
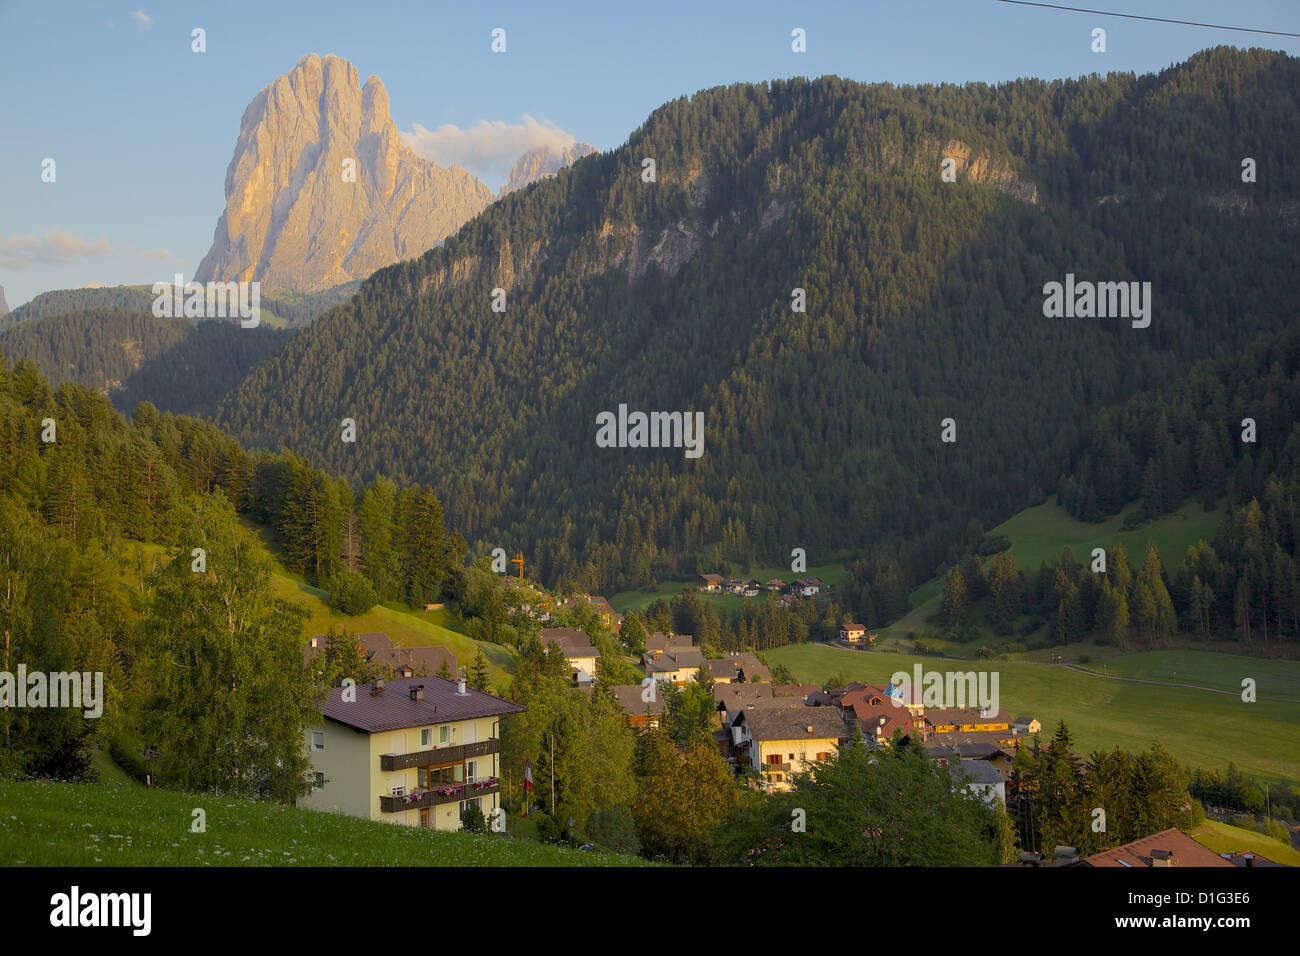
(142, 129)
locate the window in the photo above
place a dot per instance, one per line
(318, 740)
(803, 756)
(399, 790)
(426, 737)
(318, 783)
(824, 756)
(443, 734)
(470, 768)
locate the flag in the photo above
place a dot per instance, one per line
(528, 782)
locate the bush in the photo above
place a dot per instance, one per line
(351, 593)
(1085, 659)
(130, 761)
(1031, 625)
(993, 544)
(472, 819)
(614, 831)
(1014, 647)
(1002, 628)
(553, 830)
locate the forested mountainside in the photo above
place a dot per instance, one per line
(822, 429)
(197, 660)
(177, 364)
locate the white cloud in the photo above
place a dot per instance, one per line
(55, 247)
(143, 19)
(161, 255)
(488, 148)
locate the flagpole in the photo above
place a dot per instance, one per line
(552, 774)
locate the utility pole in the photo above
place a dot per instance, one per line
(519, 560)
(552, 774)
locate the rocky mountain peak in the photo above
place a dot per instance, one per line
(321, 191)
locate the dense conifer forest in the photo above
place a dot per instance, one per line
(823, 428)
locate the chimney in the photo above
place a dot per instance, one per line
(378, 687)
(417, 692)
(460, 687)
(1162, 858)
(1250, 859)
(1030, 859)
(1065, 855)
(810, 730)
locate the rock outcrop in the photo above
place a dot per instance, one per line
(321, 190)
(542, 162)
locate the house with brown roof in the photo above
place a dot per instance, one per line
(677, 664)
(579, 651)
(659, 641)
(709, 583)
(743, 667)
(415, 752)
(642, 703)
(807, 587)
(852, 633)
(778, 741)
(386, 660)
(1170, 847)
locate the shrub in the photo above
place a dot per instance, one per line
(614, 831)
(351, 593)
(1014, 647)
(1085, 659)
(472, 819)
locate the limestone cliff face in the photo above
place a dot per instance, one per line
(321, 191)
(542, 162)
(4, 306)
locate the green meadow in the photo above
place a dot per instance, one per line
(112, 824)
(1203, 728)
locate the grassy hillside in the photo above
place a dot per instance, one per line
(1039, 534)
(407, 627)
(1222, 838)
(1202, 728)
(58, 824)
(1274, 679)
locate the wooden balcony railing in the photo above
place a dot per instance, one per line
(439, 755)
(452, 793)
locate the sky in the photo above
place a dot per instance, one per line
(141, 128)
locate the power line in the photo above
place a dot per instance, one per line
(1134, 16)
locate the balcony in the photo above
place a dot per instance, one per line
(777, 767)
(453, 793)
(439, 755)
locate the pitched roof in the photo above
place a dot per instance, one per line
(795, 722)
(659, 641)
(963, 715)
(1185, 852)
(974, 771)
(633, 704)
(730, 693)
(393, 708)
(428, 659)
(795, 690)
(660, 662)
